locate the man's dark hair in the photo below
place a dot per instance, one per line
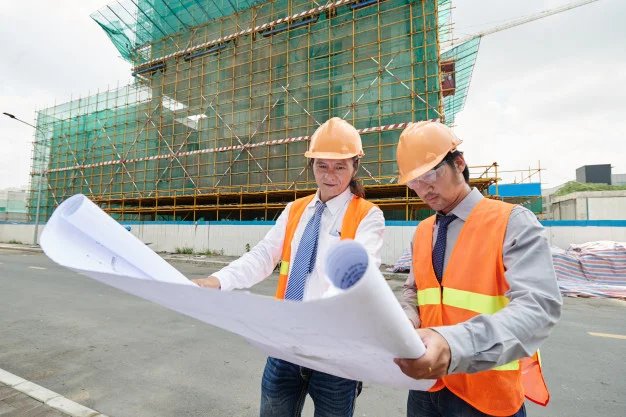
(451, 157)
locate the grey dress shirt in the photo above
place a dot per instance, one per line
(516, 331)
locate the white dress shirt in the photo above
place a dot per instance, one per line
(258, 264)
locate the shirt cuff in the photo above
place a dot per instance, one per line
(226, 281)
(413, 317)
(461, 347)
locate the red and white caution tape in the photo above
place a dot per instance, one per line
(213, 150)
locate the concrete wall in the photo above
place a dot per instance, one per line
(561, 235)
(613, 208)
(397, 240)
(595, 205)
(618, 179)
(18, 232)
(564, 210)
(13, 217)
(13, 205)
(218, 237)
(232, 239)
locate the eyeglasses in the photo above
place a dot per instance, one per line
(429, 177)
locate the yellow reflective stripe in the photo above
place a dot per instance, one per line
(539, 358)
(511, 366)
(428, 296)
(479, 303)
(284, 268)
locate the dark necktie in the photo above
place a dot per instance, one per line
(439, 251)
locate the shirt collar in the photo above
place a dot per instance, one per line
(335, 203)
(465, 207)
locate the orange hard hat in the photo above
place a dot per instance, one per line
(421, 147)
(335, 139)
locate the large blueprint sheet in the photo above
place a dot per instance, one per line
(354, 334)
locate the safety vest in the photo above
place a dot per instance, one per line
(355, 213)
(474, 283)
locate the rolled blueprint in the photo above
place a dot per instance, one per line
(348, 267)
(96, 242)
(355, 334)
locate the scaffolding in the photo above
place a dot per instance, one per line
(524, 189)
(457, 66)
(225, 97)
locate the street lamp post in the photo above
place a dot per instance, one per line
(35, 233)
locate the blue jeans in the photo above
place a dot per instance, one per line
(444, 403)
(286, 385)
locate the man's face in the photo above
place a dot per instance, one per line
(332, 176)
(442, 186)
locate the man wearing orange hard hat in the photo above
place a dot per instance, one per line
(300, 240)
(482, 291)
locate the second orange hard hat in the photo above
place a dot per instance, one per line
(421, 147)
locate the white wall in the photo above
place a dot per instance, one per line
(13, 217)
(590, 205)
(232, 239)
(563, 236)
(618, 179)
(18, 232)
(397, 241)
(564, 210)
(613, 208)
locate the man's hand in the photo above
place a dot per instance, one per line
(210, 282)
(435, 362)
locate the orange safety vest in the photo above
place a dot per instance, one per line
(355, 213)
(474, 283)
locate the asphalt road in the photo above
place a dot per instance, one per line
(127, 357)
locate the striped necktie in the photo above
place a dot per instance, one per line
(304, 262)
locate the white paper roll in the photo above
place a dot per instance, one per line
(354, 335)
(93, 240)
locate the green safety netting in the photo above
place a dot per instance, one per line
(132, 24)
(464, 57)
(215, 101)
(444, 20)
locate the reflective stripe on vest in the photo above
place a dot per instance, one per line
(511, 366)
(355, 213)
(478, 303)
(429, 296)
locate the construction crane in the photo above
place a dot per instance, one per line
(449, 63)
(525, 19)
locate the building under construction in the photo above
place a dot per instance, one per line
(226, 93)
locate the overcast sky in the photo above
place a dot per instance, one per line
(553, 90)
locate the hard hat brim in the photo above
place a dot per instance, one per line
(331, 155)
(418, 172)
